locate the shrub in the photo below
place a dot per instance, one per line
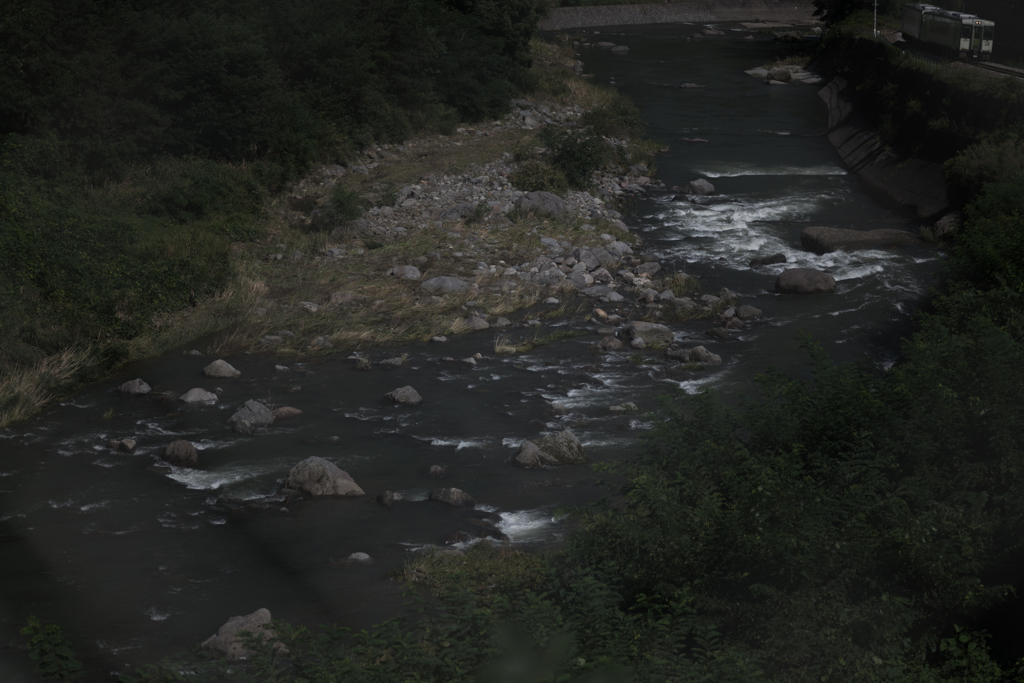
(576, 153)
(618, 117)
(986, 162)
(344, 205)
(50, 651)
(538, 176)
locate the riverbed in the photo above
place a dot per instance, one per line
(137, 561)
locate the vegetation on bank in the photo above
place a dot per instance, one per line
(143, 151)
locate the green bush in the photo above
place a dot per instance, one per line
(576, 153)
(986, 162)
(535, 175)
(344, 205)
(618, 118)
(47, 647)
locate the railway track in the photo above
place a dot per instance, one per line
(999, 68)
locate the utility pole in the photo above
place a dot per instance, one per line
(875, 25)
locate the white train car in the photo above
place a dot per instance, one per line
(955, 34)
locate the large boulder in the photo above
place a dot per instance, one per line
(699, 354)
(135, 387)
(701, 186)
(822, 240)
(946, 225)
(406, 396)
(445, 285)
(181, 453)
(220, 368)
(530, 456)
(804, 281)
(319, 477)
(255, 413)
(230, 641)
(767, 260)
(564, 447)
(780, 74)
(541, 202)
(452, 496)
(650, 332)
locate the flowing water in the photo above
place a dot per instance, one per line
(136, 562)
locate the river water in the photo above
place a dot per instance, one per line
(136, 562)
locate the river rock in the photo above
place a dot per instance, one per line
(285, 412)
(767, 260)
(649, 332)
(230, 642)
(780, 74)
(609, 343)
(746, 312)
(255, 413)
(804, 281)
(405, 272)
(135, 387)
(822, 240)
(564, 447)
(389, 498)
(445, 285)
(220, 368)
(541, 202)
(946, 225)
(699, 354)
(122, 445)
(453, 496)
(181, 453)
(475, 322)
(406, 396)
(318, 477)
(701, 186)
(199, 395)
(530, 456)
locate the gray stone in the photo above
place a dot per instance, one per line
(445, 285)
(458, 211)
(804, 281)
(946, 225)
(780, 74)
(681, 355)
(699, 354)
(199, 395)
(609, 343)
(406, 396)
(477, 323)
(767, 260)
(285, 412)
(728, 297)
(318, 477)
(181, 453)
(242, 427)
(619, 50)
(230, 641)
(541, 202)
(453, 496)
(564, 447)
(823, 240)
(746, 312)
(406, 272)
(123, 445)
(700, 186)
(362, 558)
(255, 413)
(638, 343)
(220, 368)
(649, 268)
(135, 387)
(650, 332)
(389, 498)
(502, 322)
(530, 456)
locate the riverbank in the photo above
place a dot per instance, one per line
(688, 11)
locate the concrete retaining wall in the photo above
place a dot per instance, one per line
(797, 12)
(912, 183)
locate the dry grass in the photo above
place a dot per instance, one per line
(25, 390)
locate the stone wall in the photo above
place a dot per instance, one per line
(703, 11)
(909, 183)
(1009, 18)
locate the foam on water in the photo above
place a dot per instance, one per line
(212, 480)
(735, 170)
(523, 526)
(457, 442)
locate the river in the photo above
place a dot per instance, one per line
(136, 562)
